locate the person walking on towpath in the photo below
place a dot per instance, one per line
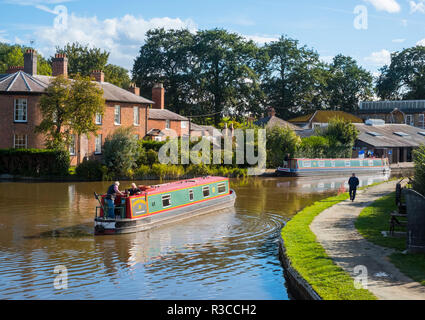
(353, 182)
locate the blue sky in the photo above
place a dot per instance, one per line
(328, 26)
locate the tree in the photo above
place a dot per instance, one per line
(13, 55)
(82, 59)
(342, 131)
(404, 78)
(120, 152)
(419, 178)
(281, 141)
(347, 84)
(68, 108)
(167, 58)
(117, 75)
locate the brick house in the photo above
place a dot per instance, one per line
(20, 91)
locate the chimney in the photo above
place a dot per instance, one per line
(13, 69)
(30, 62)
(60, 65)
(134, 89)
(158, 92)
(271, 112)
(98, 75)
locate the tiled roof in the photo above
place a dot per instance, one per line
(385, 136)
(164, 114)
(323, 116)
(272, 121)
(23, 82)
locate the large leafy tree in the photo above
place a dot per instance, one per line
(117, 75)
(167, 57)
(347, 84)
(13, 55)
(404, 78)
(69, 107)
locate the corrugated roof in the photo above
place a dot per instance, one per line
(164, 114)
(323, 116)
(272, 121)
(24, 82)
(387, 136)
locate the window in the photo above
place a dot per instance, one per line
(371, 163)
(98, 118)
(421, 121)
(191, 197)
(20, 141)
(321, 164)
(117, 115)
(307, 164)
(409, 119)
(21, 110)
(98, 145)
(221, 188)
(183, 125)
(158, 139)
(206, 191)
(167, 124)
(347, 163)
(72, 146)
(136, 116)
(333, 163)
(401, 134)
(166, 201)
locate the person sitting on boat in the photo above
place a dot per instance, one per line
(134, 190)
(110, 198)
(353, 182)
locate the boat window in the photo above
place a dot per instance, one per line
(206, 191)
(347, 163)
(333, 163)
(371, 163)
(190, 195)
(166, 200)
(321, 164)
(221, 188)
(361, 163)
(307, 164)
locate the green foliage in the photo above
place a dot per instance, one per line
(90, 169)
(342, 131)
(419, 179)
(280, 143)
(151, 157)
(69, 108)
(82, 59)
(13, 55)
(314, 147)
(34, 162)
(120, 152)
(404, 78)
(117, 75)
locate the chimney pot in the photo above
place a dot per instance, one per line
(98, 75)
(60, 65)
(13, 69)
(158, 93)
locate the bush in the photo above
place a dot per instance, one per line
(197, 170)
(419, 179)
(280, 142)
(90, 169)
(151, 157)
(143, 171)
(34, 162)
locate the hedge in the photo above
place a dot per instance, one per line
(34, 162)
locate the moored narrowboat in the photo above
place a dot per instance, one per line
(164, 203)
(308, 167)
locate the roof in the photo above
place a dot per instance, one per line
(167, 187)
(209, 129)
(391, 135)
(272, 121)
(25, 83)
(388, 106)
(164, 114)
(323, 116)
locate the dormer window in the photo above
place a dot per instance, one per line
(21, 110)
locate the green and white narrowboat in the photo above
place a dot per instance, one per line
(164, 203)
(309, 167)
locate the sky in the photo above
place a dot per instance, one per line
(367, 30)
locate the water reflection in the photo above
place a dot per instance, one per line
(226, 255)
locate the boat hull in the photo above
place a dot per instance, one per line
(105, 226)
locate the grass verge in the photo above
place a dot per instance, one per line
(309, 258)
(374, 219)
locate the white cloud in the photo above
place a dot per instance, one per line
(421, 43)
(122, 37)
(398, 40)
(417, 6)
(379, 58)
(390, 6)
(3, 35)
(261, 39)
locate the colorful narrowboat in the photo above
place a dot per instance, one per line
(308, 167)
(164, 203)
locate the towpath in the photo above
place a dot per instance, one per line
(335, 230)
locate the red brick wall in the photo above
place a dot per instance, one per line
(174, 125)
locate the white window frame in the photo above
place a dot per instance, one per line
(165, 197)
(157, 138)
(409, 116)
(306, 164)
(183, 125)
(205, 189)
(221, 185)
(22, 104)
(98, 119)
(98, 144)
(117, 114)
(422, 120)
(167, 124)
(347, 163)
(25, 146)
(191, 195)
(321, 163)
(136, 116)
(72, 146)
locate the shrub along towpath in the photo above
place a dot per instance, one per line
(335, 231)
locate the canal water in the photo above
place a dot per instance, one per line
(224, 255)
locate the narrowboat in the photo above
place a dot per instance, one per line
(164, 203)
(309, 167)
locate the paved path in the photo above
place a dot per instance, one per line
(335, 230)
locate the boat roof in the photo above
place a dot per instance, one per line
(321, 159)
(182, 184)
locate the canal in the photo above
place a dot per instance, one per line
(225, 255)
